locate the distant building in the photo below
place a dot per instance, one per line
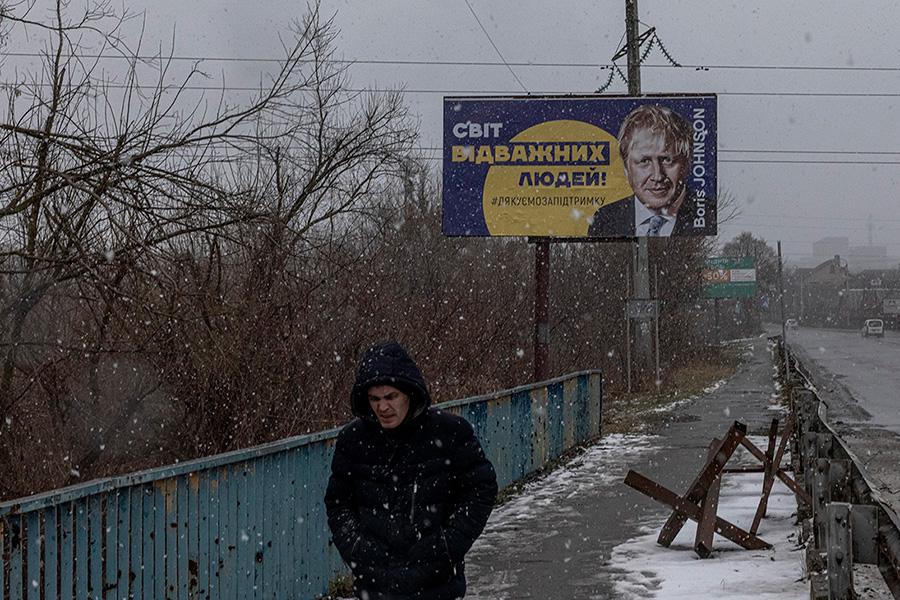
(876, 279)
(857, 258)
(868, 292)
(867, 252)
(831, 246)
(870, 257)
(833, 273)
(817, 294)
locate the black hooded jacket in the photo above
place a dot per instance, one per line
(406, 504)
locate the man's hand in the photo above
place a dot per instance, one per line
(430, 549)
(405, 578)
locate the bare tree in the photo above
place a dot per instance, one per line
(107, 181)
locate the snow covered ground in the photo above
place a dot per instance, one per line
(639, 567)
(649, 570)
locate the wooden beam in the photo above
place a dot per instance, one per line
(704, 479)
(728, 530)
(703, 541)
(768, 478)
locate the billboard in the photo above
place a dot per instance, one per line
(551, 166)
(728, 278)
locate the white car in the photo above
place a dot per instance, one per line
(873, 327)
(791, 324)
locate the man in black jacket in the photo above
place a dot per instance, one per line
(410, 487)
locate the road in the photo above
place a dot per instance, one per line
(859, 381)
(869, 368)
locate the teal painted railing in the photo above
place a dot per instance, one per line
(247, 524)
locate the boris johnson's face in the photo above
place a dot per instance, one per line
(653, 171)
(389, 404)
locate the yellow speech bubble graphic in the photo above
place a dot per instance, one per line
(550, 179)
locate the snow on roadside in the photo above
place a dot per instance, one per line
(648, 570)
(689, 399)
(547, 508)
(599, 467)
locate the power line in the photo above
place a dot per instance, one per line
(843, 257)
(808, 162)
(783, 68)
(763, 151)
(770, 162)
(805, 218)
(853, 152)
(474, 93)
(472, 10)
(854, 224)
(810, 241)
(816, 94)
(462, 63)
(854, 229)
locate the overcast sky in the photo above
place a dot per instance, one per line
(845, 111)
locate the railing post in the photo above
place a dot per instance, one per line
(820, 499)
(804, 403)
(840, 552)
(839, 480)
(889, 551)
(824, 445)
(864, 534)
(810, 440)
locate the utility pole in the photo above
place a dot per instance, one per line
(784, 346)
(643, 343)
(631, 33)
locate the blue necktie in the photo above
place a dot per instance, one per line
(656, 223)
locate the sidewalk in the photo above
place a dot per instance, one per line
(581, 534)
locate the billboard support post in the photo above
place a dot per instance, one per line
(628, 349)
(628, 281)
(656, 324)
(541, 309)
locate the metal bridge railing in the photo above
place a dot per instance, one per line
(251, 523)
(848, 521)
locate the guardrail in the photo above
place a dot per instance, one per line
(847, 522)
(251, 523)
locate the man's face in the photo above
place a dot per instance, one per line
(653, 171)
(389, 404)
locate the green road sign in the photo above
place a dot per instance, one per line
(729, 278)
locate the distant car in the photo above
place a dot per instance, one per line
(873, 327)
(791, 324)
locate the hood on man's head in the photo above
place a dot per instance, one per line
(388, 363)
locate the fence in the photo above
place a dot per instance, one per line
(847, 522)
(251, 523)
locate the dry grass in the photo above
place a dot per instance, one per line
(627, 413)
